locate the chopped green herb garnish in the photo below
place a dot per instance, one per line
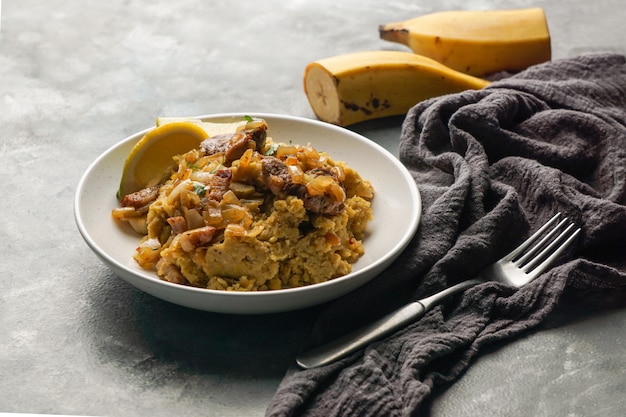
(248, 118)
(271, 150)
(192, 166)
(199, 189)
(214, 170)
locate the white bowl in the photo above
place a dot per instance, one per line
(396, 207)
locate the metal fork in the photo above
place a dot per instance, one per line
(518, 268)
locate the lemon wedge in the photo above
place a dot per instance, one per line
(212, 128)
(150, 159)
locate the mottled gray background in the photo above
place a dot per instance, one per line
(78, 76)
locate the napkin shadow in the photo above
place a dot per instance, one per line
(575, 306)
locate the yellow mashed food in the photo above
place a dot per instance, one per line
(243, 213)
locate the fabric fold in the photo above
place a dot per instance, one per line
(491, 165)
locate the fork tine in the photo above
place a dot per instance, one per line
(521, 248)
(550, 252)
(541, 244)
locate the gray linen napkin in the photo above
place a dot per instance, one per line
(491, 165)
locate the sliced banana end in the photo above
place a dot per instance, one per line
(320, 87)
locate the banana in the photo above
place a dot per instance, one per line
(360, 86)
(477, 42)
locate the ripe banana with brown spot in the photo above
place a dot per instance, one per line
(477, 42)
(360, 86)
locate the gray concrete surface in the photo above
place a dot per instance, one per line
(77, 77)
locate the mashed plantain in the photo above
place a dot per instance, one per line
(244, 213)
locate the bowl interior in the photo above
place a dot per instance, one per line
(396, 208)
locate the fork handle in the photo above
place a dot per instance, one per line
(392, 322)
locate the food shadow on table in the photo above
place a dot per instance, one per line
(133, 330)
(385, 131)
